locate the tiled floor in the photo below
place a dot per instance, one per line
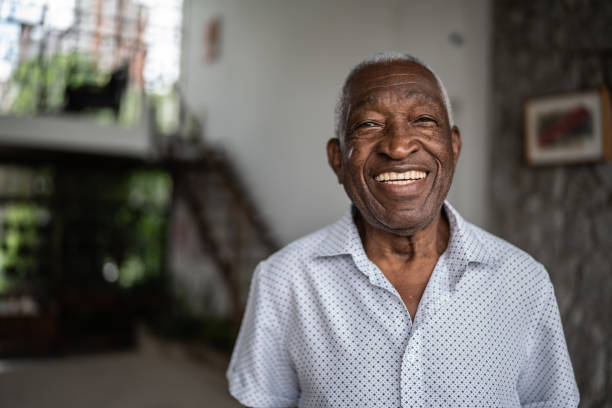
(153, 377)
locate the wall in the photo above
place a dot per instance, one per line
(269, 99)
(562, 215)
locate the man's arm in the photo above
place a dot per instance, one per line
(260, 373)
(547, 377)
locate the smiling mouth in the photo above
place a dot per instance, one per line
(404, 178)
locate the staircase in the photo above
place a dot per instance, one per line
(231, 230)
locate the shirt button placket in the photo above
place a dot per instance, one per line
(412, 372)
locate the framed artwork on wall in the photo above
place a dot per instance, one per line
(568, 128)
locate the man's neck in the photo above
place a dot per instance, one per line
(411, 258)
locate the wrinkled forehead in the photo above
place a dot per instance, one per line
(403, 76)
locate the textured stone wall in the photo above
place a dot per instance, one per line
(562, 215)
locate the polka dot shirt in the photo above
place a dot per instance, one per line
(323, 327)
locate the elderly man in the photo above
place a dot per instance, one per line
(401, 303)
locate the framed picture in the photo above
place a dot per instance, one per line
(568, 128)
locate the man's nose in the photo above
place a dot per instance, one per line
(398, 142)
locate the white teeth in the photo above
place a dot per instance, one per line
(401, 178)
(401, 182)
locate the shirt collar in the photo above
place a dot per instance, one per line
(464, 245)
(342, 237)
(464, 241)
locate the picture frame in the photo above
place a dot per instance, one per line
(568, 128)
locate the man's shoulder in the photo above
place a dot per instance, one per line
(299, 253)
(510, 270)
(505, 255)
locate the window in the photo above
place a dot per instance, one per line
(56, 54)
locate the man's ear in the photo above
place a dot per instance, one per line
(334, 157)
(456, 142)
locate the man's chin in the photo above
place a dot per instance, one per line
(403, 226)
(404, 230)
(403, 222)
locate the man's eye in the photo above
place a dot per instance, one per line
(426, 120)
(366, 124)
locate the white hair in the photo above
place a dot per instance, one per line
(383, 58)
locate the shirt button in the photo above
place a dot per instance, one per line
(410, 353)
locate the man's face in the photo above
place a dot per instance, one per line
(398, 155)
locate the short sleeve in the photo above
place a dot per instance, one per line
(547, 378)
(260, 373)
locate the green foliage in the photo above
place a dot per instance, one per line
(132, 212)
(143, 219)
(39, 84)
(167, 107)
(19, 230)
(99, 216)
(149, 188)
(131, 106)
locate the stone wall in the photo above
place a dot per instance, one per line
(562, 215)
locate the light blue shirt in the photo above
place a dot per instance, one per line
(325, 328)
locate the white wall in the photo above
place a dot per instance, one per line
(269, 99)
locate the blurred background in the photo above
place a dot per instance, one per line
(152, 152)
